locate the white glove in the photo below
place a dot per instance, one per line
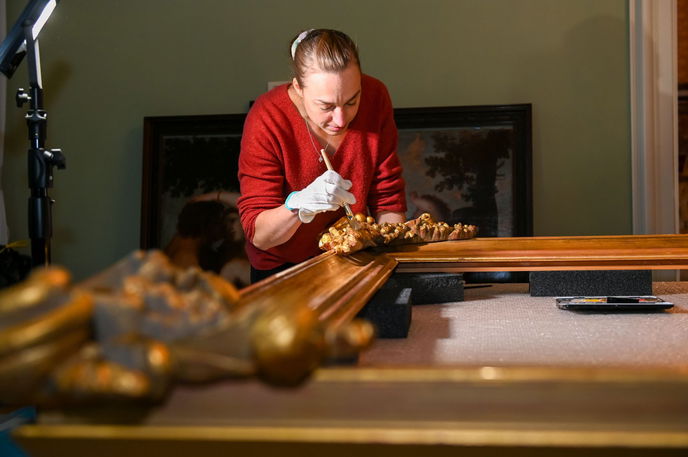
(326, 193)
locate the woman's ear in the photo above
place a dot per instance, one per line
(297, 87)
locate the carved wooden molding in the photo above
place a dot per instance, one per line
(337, 287)
(619, 252)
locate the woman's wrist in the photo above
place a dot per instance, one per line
(286, 202)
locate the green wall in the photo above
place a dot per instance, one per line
(107, 64)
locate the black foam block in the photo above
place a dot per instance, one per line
(602, 282)
(430, 288)
(389, 311)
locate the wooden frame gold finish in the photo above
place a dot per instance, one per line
(474, 411)
(619, 252)
(430, 411)
(336, 287)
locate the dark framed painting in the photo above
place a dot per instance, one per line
(470, 164)
(189, 192)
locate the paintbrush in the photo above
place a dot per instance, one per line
(347, 208)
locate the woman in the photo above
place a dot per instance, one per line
(287, 195)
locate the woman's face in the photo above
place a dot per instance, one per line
(331, 100)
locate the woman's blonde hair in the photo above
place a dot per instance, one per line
(323, 49)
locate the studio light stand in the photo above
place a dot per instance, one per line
(41, 160)
(23, 40)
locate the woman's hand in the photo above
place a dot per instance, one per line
(326, 193)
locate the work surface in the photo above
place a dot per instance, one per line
(500, 373)
(502, 325)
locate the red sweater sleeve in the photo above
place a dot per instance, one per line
(261, 175)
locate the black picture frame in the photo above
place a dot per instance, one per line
(187, 156)
(189, 192)
(683, 164)
(683, 158)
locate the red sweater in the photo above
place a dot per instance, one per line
(278, 157)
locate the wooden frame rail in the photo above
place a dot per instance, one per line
(619, 252)
(468, 411)
(472, 410)
(339, 286)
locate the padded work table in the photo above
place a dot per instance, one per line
(501, 373)
(501, 324)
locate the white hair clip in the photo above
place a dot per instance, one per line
(298, 40)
